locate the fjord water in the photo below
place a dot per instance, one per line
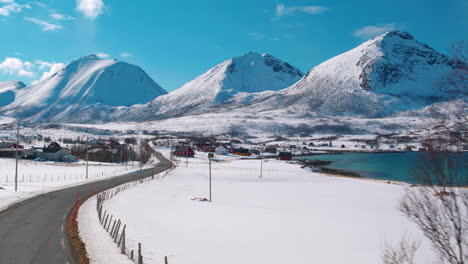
(405, 166)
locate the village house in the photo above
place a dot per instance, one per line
(53, 152)
(221, 150)
(285, 155)
(8, 150)
(241, 152)
(184, 151)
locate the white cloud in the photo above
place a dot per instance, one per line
(52, 68)
(373, 31)
(256, 36)
(126, 55)
(282, 10)
(45, 26)
(7, 1)
(58, 16)
(90, 8)
(7, 10)
(103, 55)
(15, 66)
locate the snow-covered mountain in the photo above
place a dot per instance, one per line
(385, 75)
(85, 90)
(8, 91)
(232, 82)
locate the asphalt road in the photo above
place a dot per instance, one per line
(34, 231)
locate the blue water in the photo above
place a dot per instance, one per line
(410, 167)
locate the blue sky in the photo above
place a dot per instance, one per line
(175, 41)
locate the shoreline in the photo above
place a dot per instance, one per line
(320, 165)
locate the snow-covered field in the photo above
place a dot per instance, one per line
(35, 178)
(290, 215)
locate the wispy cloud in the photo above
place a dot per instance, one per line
(12, 7)
(373, 31)
(15, 66)
(58, 16)
(103, 55)
(282, 10)
(90, 8)
(126, 54)
(256, 36)
(7, 1)
(45, 26)
(38, 3)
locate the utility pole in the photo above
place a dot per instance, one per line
(16, 156)
(261, 165)
(209, 162)
(87, 141)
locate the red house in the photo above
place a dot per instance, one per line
(208, 148)
(184, 151)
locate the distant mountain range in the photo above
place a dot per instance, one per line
(387, 75)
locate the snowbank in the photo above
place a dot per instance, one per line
(290, 215)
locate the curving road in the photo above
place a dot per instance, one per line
(34, 231)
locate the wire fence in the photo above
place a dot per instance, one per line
(115, 227)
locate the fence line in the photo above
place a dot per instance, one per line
(113, 225)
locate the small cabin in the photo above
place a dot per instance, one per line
(221, 150)
(184, 151)
(241, 152)
(285, 155)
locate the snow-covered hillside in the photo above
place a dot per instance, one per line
(82, 90)
(8, 90)
(387, 74)
(232, 82)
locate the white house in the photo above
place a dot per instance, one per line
(221, 150)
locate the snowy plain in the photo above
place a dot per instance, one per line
(35, 178)
(290, 215)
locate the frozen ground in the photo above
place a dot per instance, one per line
(290, 215)
(35, 178)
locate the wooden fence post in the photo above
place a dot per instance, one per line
(122, 239)
(165, 260)
(112, 229)
(107, 228)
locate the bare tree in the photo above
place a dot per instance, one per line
(402, 254)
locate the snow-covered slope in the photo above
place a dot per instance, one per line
(387, 74)
(230, 82)
(8, 91)
(85, 90)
